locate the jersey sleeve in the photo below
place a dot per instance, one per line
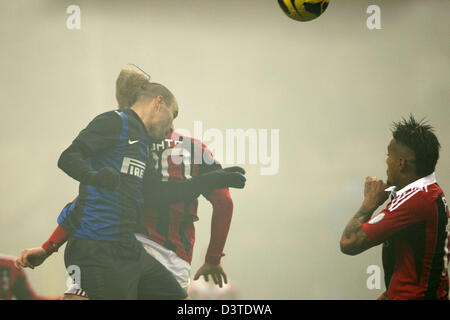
(220, 224)
(209, 163)
(101, 133)
(397, 216)
(56, 240)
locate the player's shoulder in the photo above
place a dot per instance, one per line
(110, 120)
(434, 192)
(416, 198)
(177, 136)
(110, 115)
(7, 260)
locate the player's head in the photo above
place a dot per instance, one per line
(162, 108)
(413, 151)
(133, 88)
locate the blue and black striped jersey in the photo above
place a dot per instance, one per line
(115, 139)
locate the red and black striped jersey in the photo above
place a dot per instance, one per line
(14, 283)
(415, 230)
(179, 157)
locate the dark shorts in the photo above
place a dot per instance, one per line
(119, 271)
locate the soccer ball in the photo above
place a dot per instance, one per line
(303, 10)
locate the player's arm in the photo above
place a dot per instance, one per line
(159, 192)
(34, 257)
(101, 133)
(361, 233)
(354, 239)
(220, 225)
(222, 204)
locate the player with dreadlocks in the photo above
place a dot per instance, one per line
(414, 226)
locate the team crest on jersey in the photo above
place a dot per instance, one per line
(377, 218)
(133, 167)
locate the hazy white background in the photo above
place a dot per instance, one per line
(331, 86)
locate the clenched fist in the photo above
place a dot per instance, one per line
(374, 193)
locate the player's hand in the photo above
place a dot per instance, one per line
(383, 296)
(107, 178)
(215, 271)
(31, 258)
(374, 194)
(233, 177)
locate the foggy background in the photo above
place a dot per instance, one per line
(331, 86)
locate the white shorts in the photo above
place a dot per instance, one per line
(180, 268)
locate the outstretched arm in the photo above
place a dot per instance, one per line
(34, 257)
(159, 192)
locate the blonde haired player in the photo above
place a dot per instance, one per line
(167, 232)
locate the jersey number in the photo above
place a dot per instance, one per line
(178, 156)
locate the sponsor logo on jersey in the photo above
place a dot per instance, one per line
(165, 144)
(133, 167)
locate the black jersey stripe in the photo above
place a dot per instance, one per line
(389, 259)
(187, 220)
(434, 279)
(164, 219)
(163, 226)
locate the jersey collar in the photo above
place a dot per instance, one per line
(421, 183)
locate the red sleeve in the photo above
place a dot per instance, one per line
(56, 240)
(220, 224)
(208, 163)
(398, 214)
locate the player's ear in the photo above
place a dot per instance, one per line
(402, 163)
(158, 102)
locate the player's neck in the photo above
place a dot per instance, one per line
(144, 113)
(406, 181)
